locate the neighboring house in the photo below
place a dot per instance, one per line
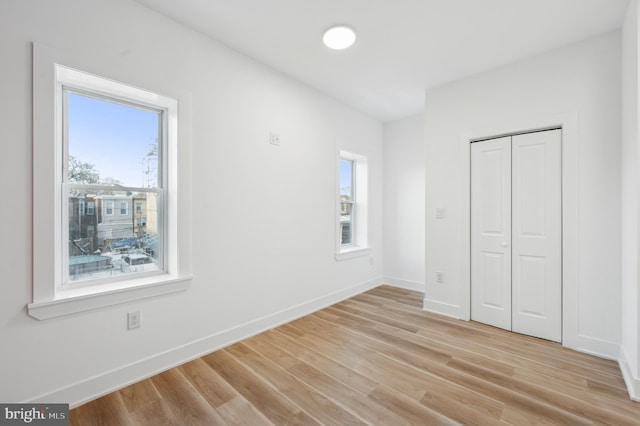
(82, 225)
(151, 214)
(115, 217)
(139, 215)
(345, 219)
(94, 219)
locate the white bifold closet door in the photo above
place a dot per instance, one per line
(516, 233)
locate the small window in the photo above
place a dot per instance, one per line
(346, 202)
(352, 239)
(124, 208)
(90, 208)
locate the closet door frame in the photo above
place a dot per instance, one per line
(569, 124)
(516, 229)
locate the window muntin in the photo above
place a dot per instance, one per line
(111, 153)
(347, 202)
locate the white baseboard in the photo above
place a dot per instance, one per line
(406, 284)
(632, 382)
(441, 308)
(102, 384)
(593, 346)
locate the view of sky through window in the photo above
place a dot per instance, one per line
(346, 174)
(118, 140)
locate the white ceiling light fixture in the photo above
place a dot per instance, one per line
(339, 37)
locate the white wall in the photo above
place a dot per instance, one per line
(404, 174)
(629, 351)
(580, 81)
(262, 216)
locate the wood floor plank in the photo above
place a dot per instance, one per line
(415, 413)
(377, 359)
(155, 413)
(316, 404)
(105, 411)
(266, 399)
(239, 411)
(324, 363)
(138, 395)
(183, 400)
(209, 383)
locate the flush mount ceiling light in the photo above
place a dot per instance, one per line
(339, 37)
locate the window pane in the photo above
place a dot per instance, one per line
(346, 229)
(346, 202)
(106, 244)
(111, 143)
(346, 178)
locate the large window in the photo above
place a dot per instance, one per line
(108, 144)
(101, 149)
(352, 239)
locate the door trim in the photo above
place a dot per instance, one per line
(570, 185)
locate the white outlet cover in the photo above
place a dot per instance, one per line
(274, 139)
(133, 320)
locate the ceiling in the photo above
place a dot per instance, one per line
(403, 46)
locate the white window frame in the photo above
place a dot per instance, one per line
(360, 227)
(91, 206)
(50, 297)
(126, 208)
(109, 205)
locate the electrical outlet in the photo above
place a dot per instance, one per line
(439, 277)
(439, 212)
(133, 320)
(274, 139)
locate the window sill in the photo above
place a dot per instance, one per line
(352, 252)
(84, 299)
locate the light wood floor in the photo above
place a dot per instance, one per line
(377, 359)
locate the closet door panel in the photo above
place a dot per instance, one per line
(491, 232)
(537, 234)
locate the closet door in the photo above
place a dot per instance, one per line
(537, 234)
(491, 232)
